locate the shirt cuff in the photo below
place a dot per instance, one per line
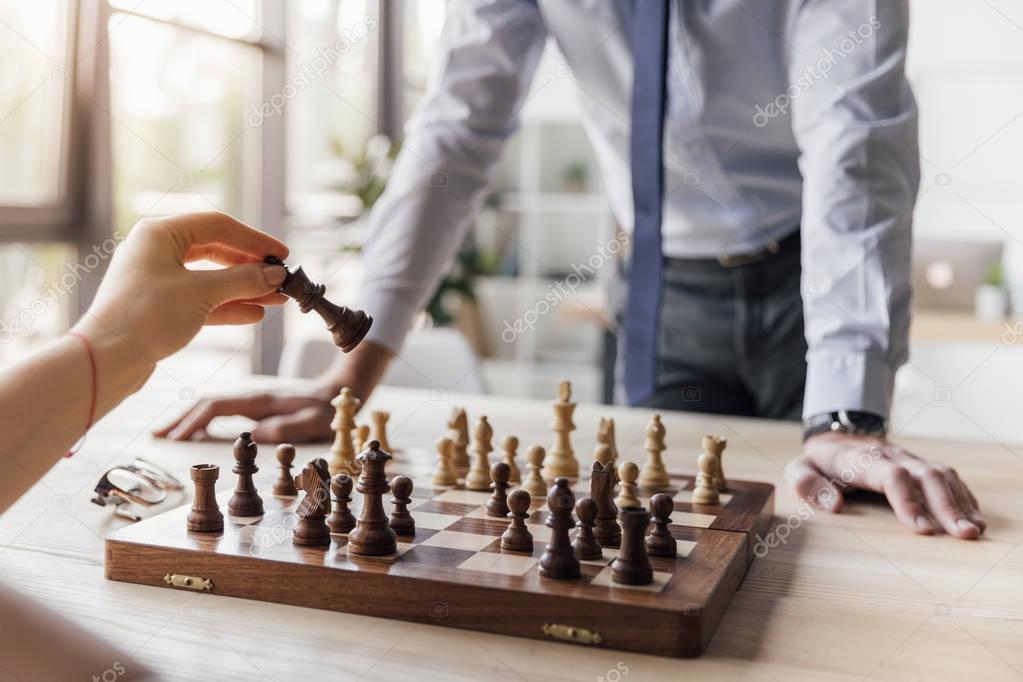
(847, 381)
(392, 317)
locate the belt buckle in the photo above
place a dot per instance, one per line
(748, 258)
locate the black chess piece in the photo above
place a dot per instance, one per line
(245, 501)
(602, 490)
(632, 565)
(341, 519)
(585, 545)
(401, 521)
(311, 529)
(660, 541)
(558, 560)
(346, 326)
(372, 535)
(284, 486)
(517, 537)
(498, 503)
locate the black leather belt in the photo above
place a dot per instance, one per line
(735, 261)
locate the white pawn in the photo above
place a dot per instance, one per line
(445, 473)
(510, 445)
(705, 491)
(627, 474)
(361, 437)
(478, 477)
(533, 482)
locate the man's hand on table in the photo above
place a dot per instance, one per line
(926, 497)
(294, 417)
(290, 416)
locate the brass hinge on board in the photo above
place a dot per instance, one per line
(570, 633)
(188, 582)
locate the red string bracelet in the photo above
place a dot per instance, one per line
(92, 402)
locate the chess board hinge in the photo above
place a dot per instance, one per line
(571, 633)
(188, 582)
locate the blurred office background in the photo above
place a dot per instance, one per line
(287, 115)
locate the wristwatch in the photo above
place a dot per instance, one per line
(853, 422)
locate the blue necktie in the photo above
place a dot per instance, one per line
(649, 56)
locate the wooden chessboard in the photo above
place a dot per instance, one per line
(454, 573)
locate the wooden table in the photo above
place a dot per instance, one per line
(846, 597)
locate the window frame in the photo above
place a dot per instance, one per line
(52, 221)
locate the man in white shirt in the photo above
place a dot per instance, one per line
(763, 159)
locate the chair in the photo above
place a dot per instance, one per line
(438, 358)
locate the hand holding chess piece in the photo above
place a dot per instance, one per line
(347, 327)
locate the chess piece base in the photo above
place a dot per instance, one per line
(375, 539)
(311, 534)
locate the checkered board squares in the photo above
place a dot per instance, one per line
(455, 560)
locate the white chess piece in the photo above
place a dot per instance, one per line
(533, 483)
(445, 473)
(478, 477)
(627, 473)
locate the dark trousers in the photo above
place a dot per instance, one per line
(731, 338)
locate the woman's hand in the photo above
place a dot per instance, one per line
(150, 305)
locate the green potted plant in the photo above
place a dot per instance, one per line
(991, 302)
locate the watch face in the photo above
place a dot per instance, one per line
(863, 422)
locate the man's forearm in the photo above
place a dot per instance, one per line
(361, 370)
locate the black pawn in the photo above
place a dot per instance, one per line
(660, 541)
(341, 519)
(401, 521)
(245, 501)
(284, 486)
(585, 545)
(632, 565)
(558, 560)
(518, 538)
(498, 503)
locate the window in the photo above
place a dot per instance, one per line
(34, 97)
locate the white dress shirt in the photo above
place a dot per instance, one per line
(779, 114)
